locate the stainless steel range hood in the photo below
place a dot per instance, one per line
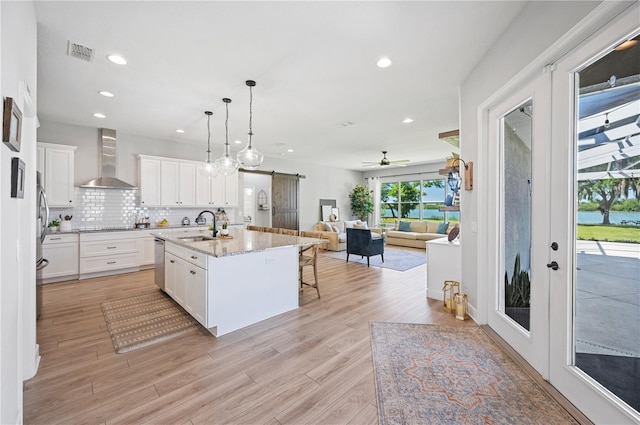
(108, 179)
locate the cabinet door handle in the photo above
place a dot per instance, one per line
(55, 239)
(111, 247)
(111, 262)
(172, 261)
(192, 272)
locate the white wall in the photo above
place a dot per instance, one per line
(320, 182)
(18, 349)
(535, 29)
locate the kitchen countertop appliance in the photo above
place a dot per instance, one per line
(159, 263)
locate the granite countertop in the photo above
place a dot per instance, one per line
(241, 242)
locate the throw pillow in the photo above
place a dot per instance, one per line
(442, 227)
(404, 226)
(335, 229)
(328, 227)
(348, 224)
(360, 226)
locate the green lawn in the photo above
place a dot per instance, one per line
(611, 233)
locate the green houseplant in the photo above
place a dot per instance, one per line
(361, 201)
(517, 295)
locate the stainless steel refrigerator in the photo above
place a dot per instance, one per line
(42, 220)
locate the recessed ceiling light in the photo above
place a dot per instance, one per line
(99, 115)
(384, 62)
(289, 150)
(237, 142)
(181, 131)
(106, 93)
(117, 59)
(407, 120)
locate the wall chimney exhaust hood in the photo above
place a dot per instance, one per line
(108, 179)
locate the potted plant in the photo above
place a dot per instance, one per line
(225, 230)
(361, 201)
(517, 295)
(54, 225)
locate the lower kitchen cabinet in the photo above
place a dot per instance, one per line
(186, 281)
(102, 254)
(61, 251)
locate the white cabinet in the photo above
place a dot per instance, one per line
(58, 169)
(61, 250)
(170, 273)
(186, 280)
(220, 191)
(149, 181)
(177, 183)
(146, 248)
(108, 253)
(444, 262)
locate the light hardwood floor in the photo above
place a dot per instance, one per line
(311, 365)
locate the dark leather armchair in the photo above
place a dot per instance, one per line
(360, 242)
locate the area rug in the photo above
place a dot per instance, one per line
(144, 320)
(396, 259)
(429, 374)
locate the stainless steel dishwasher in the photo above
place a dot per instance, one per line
(159, 262)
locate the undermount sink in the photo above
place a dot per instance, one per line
(195, 238)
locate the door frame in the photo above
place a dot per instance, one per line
(584, 392)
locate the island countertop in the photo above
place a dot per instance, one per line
(241, 241)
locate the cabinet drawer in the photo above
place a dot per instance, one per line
(60, 238)
(197, 258)
(112, 247)
(111, 262)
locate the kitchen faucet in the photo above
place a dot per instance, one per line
(214, 231)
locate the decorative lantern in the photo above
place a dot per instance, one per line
(450, 288)
(460, 301)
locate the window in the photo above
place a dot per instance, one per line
(416, 200)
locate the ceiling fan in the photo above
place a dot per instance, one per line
(385, 162)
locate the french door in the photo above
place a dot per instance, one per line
(519, 127)
(588, 312)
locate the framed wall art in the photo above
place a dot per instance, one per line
(11, 124)
(17, 178)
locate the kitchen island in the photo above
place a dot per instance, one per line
(229, 283)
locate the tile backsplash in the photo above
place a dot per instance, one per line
(119, 208)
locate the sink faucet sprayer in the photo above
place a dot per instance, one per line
(215, 231)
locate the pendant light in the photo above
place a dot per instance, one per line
(226, 164)
(250, 158)
(208, 168)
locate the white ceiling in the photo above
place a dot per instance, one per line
(314, 64)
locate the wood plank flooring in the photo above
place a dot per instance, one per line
(308, 366)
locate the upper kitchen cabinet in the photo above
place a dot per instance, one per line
(149, 181)
(56, 163)
(220, 191)
(177, 183)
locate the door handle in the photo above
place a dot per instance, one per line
(553, 265)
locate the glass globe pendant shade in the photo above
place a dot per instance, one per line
(207, 168)
(453, 179)
(226, 164)
(249, 157)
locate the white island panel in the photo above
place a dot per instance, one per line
(245, 289)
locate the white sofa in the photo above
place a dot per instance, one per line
(419, 232)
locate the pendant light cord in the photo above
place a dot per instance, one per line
(250, 114)
(208, 136)
(226, 130)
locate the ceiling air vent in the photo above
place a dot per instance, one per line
(81, 52)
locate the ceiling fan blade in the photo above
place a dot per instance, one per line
(399, 161)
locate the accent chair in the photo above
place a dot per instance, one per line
(360, 242)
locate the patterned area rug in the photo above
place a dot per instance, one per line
(396, 259)
(429, 374)
(144, 320)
